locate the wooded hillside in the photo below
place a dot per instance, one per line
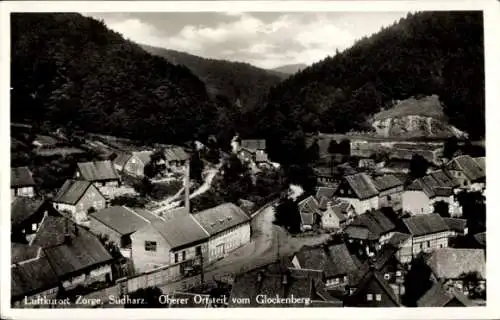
(426, 53)
(241, 83)
(72, 71)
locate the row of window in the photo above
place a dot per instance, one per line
(369, 297)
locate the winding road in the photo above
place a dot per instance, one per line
(268, 242)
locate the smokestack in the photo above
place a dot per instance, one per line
(186, 189)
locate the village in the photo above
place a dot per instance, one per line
(378, 230)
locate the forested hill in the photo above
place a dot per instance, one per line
(424, 54)
(235, 80)
(72, 71)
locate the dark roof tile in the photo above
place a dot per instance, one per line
(425, 224)
(363, 185)
(21, 177)
(121, 219)
(98, 171)
(72, 191)
(220, 218)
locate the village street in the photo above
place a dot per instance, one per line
(268, 242)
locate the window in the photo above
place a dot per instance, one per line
(398, 273)
(176, 257)
(421, 246)
(378, 297)
(428, 244)
(369, 297)
(150, 245)
(33, 227)
(183, 255)
(198, 250)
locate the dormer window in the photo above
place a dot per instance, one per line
(369, 297)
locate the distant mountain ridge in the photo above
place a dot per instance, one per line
(241, 83)
(290, 68)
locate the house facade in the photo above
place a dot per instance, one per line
(390, 191)
(309, 213)
(100, 173)
(428, 233)
(22, 183)
(26, 216)
(468, 172)
(228, 228)
(176, 241)
(136, 163)
(360, 191)
(373, 291)
(77, 197)
(422, 195)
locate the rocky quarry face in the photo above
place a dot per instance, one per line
(413, 118)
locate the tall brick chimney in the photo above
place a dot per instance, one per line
(186, 189)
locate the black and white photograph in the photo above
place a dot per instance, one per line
(247, 159)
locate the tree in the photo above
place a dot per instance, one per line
(417, 281)
(473, 209)
(333, 147)
(442, 208)
(303, 175)
(471, 282)
(418, 166)
(150, 297)
(313, 152)
(345, 147)
(110, 245)
(450, 147)
(196, 167)
(287, 215)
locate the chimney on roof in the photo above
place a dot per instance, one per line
(284, 278)
(259, 276)
(67, 235)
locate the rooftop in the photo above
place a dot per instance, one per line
(470, 168)
(220, 218)
(387, 182)
(121, 219)
(23, 208)
(253, 144)
(376, 222)
(72, 191)
(425, 224)
(21, 177)
(98, 171)
(175, 154)
(181, 231)
(363, 185)
(438, 296)
(452, 263)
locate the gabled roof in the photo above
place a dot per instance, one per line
(376, 222)
(32, 276)
(451, 263)
(398, 238)
(253, 144)
(72, 191)
(120, 219)
(268, 280)
(365, 281)
(181, 231)
(456, 224)
(82, 252)
(437, 183)
(98, 171)
(481, 238)
(143, 156)
(122, 159)
(46, 140)
(175, 154)
(362, 185)
(23, 208)
(326, 192)
(387, 182)
(20, 252)
(437, 296)
(21, 177)
(481, 161)
(220, 218)
(309, 204)
(332, 260)
(425, 224)
(52, 230)
(468, 166)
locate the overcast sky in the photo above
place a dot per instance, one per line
(265, 40)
